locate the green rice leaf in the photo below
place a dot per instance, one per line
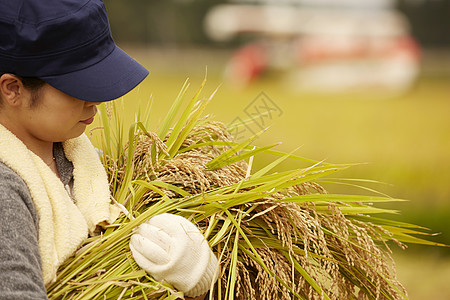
(338, 198)
(174, 109)
(225, 161)
(174, 136)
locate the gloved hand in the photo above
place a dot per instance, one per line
(171, 248)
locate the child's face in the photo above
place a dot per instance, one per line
(57, 117)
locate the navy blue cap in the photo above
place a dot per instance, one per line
(68, 44)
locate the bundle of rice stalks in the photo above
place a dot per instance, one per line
(277, 235)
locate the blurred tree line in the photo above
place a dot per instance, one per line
(180, 22)
(156, 22)
(430, 20)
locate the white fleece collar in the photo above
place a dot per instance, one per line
(63, 225)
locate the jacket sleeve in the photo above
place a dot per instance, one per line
(20, 262)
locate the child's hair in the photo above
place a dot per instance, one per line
(33, 84)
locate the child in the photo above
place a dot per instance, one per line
(58, 61)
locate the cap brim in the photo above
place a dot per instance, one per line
(109, 79)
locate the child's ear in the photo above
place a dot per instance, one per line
(11, 89)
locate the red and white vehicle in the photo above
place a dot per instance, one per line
(320, 45)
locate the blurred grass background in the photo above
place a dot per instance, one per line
(402, 141)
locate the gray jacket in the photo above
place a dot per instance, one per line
(20, 262)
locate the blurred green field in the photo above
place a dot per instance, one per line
(402, 141)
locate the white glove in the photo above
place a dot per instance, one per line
(171, 248)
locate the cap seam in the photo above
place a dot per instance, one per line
(62, 74)
(29, 57)
(20, 21)
(97, 86)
